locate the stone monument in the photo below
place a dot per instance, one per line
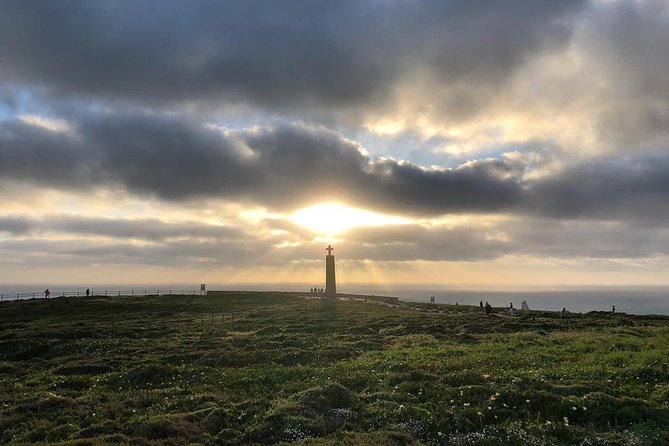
(330, 282)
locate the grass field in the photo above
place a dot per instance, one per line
(265, 368)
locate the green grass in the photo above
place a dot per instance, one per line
(266, 368)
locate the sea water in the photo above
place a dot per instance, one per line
(637, 300)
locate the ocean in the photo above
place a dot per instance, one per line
(638, 300)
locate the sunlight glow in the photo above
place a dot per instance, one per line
(334, 218)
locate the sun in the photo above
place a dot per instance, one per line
(334, 218)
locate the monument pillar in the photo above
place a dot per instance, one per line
(330, 282)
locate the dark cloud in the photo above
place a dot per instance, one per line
(415, 242)
(15, 225)
(484, 185)
(279, 55)
(143, 229)
(523, 236)
(352, 61)
(519, 236)
(629, 41)
(139, 241)
(585, 238)
(285, 166)
(165, 244)
(632, 187)
(280, 167)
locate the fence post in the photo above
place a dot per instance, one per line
(17, 296)
(105, 292)
(63, 293)
(170, 292)
(77, 293)
(119, 292)
(132, 292)
(33, 294)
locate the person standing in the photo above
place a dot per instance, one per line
(88, 292)
(481, 305)
(47, 293)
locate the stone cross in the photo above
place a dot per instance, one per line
(329, 249)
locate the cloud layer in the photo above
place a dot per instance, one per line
(534, 130)
(293, 54)
(290, 165)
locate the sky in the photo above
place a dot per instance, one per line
(471, 144)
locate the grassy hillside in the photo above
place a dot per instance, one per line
(240, 368)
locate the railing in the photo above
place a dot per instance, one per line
(117, 293)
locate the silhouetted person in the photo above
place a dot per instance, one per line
(488, 308)
(481, 305)
(510, 307)
(613, 309)
(563, 313)
(47, 293)
(88, 292)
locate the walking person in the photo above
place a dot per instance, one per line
(88, 292)
(47, 293)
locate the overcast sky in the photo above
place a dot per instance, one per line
(489, 144)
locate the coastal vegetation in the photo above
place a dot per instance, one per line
(278, 368)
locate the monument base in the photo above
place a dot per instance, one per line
(330, 282)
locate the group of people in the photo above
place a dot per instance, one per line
(485, 309)
(47, 293)
(317, 290)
